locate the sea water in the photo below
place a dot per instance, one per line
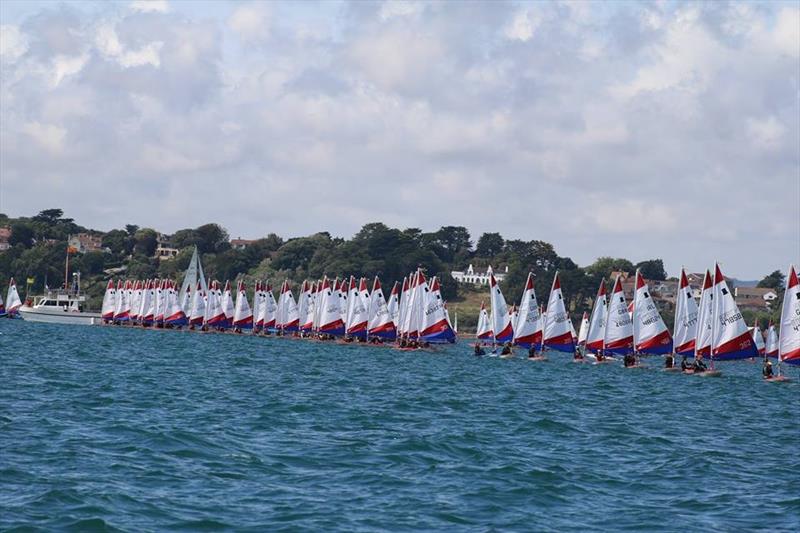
(110, 428)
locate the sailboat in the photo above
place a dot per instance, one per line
(381, 324)
(758, 338)
(501, 318)
(557, 325)
(13, 303)
(772, 341)
(226, 303)
(650, 334)
(330, 320)
(528, 330)
(435, 327)
(583, 330)
(730, 335)
(358, 314)
(193, 276)
(618, 338)
(789, 341)
(685, 318)
(215, 315)
(109, 302)
(174, 315)
(197, 311)
(595, 337)
(242, 314)
(484, 330)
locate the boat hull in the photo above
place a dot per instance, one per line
(59, 316)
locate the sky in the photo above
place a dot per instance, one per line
(639, 130)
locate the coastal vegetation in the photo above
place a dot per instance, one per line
(37, 247)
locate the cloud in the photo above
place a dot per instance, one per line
(639, 130)
(150, 6)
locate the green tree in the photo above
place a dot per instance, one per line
(604, 266)
(652, 269)
(21, 233)
(131, 229)
(118, 241)
(145, 242)
(92, 263)
(489, 245)
(775, 280)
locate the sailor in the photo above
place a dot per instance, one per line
(577, 355)
(532, 352)
(506, 349)
(669, 361)
(629, 360)
(479, 350)
(767, 371)
(699, 364)
(685, 363)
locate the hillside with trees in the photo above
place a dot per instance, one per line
(38, 247)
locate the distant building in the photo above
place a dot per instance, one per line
(477, 278)
(86, 242)
(754, 297)
(165, 252)
(5, 236)
(241, 244)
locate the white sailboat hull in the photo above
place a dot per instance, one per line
(57, 315)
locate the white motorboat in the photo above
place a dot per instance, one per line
(60, 307)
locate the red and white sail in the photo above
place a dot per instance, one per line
(174, 313)
(135, 302)
(291, 314)
(758, 338)
(215, 315)
(705, 312)
(619, 327)
(413, 318)
(501, 318)
(330, 320)
(227, 304)
(771, 347)
(161, 298)
(685, 317)
(402, 307)
(789, 342)
(484, 329)
(528, 329)
(583, 331)
(393, 305)
(120, 311)
(650, 334)
(731, 338)
(307, 318)
(270, 308)
(359, 314)
(13, 303)
(109, 301)
(435, 326)
(597, 323)
(197, 312)
(557, 325)
(147, 309)
(242, 314)
(303, 299)
(381, 324)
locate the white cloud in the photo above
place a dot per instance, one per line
(63, 66)
(251, 22)
(786, 36)
(150, 6)
(48, 136)
(13, 43)
(399, 8)
(523, 25)
(766, 133)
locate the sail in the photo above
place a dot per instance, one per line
(731, 336)
(227, 304)
(528, 330)
(393, 306)
(198, 308)
(650, 334)
(109, 301)
(121, 312)
(702, 345)
(307, 318)
(484, 329)
(358, 316)
(13, 303)
(619, 327)
(583, 331)
(758, 338)
(215, 315)
(193, 275)
(381, 324)
(685, 317)
(242, 314)
(270, 308)
(186, 303)
(330, 320)
(302, 304)
(161, 298)
(772, 341)
(789, 342)
(435, 327)
(174, 314)
(291, 315)
(401, 308)
(557, 325)
(415, 304)
(501, 319)
(147, 309)
(597, 323)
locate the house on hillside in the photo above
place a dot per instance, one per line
(473, 277)
(241, 244)
(754, 297)
(5, 237)
(86, 242)
(164, 248)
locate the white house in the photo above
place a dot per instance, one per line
(477, 278)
